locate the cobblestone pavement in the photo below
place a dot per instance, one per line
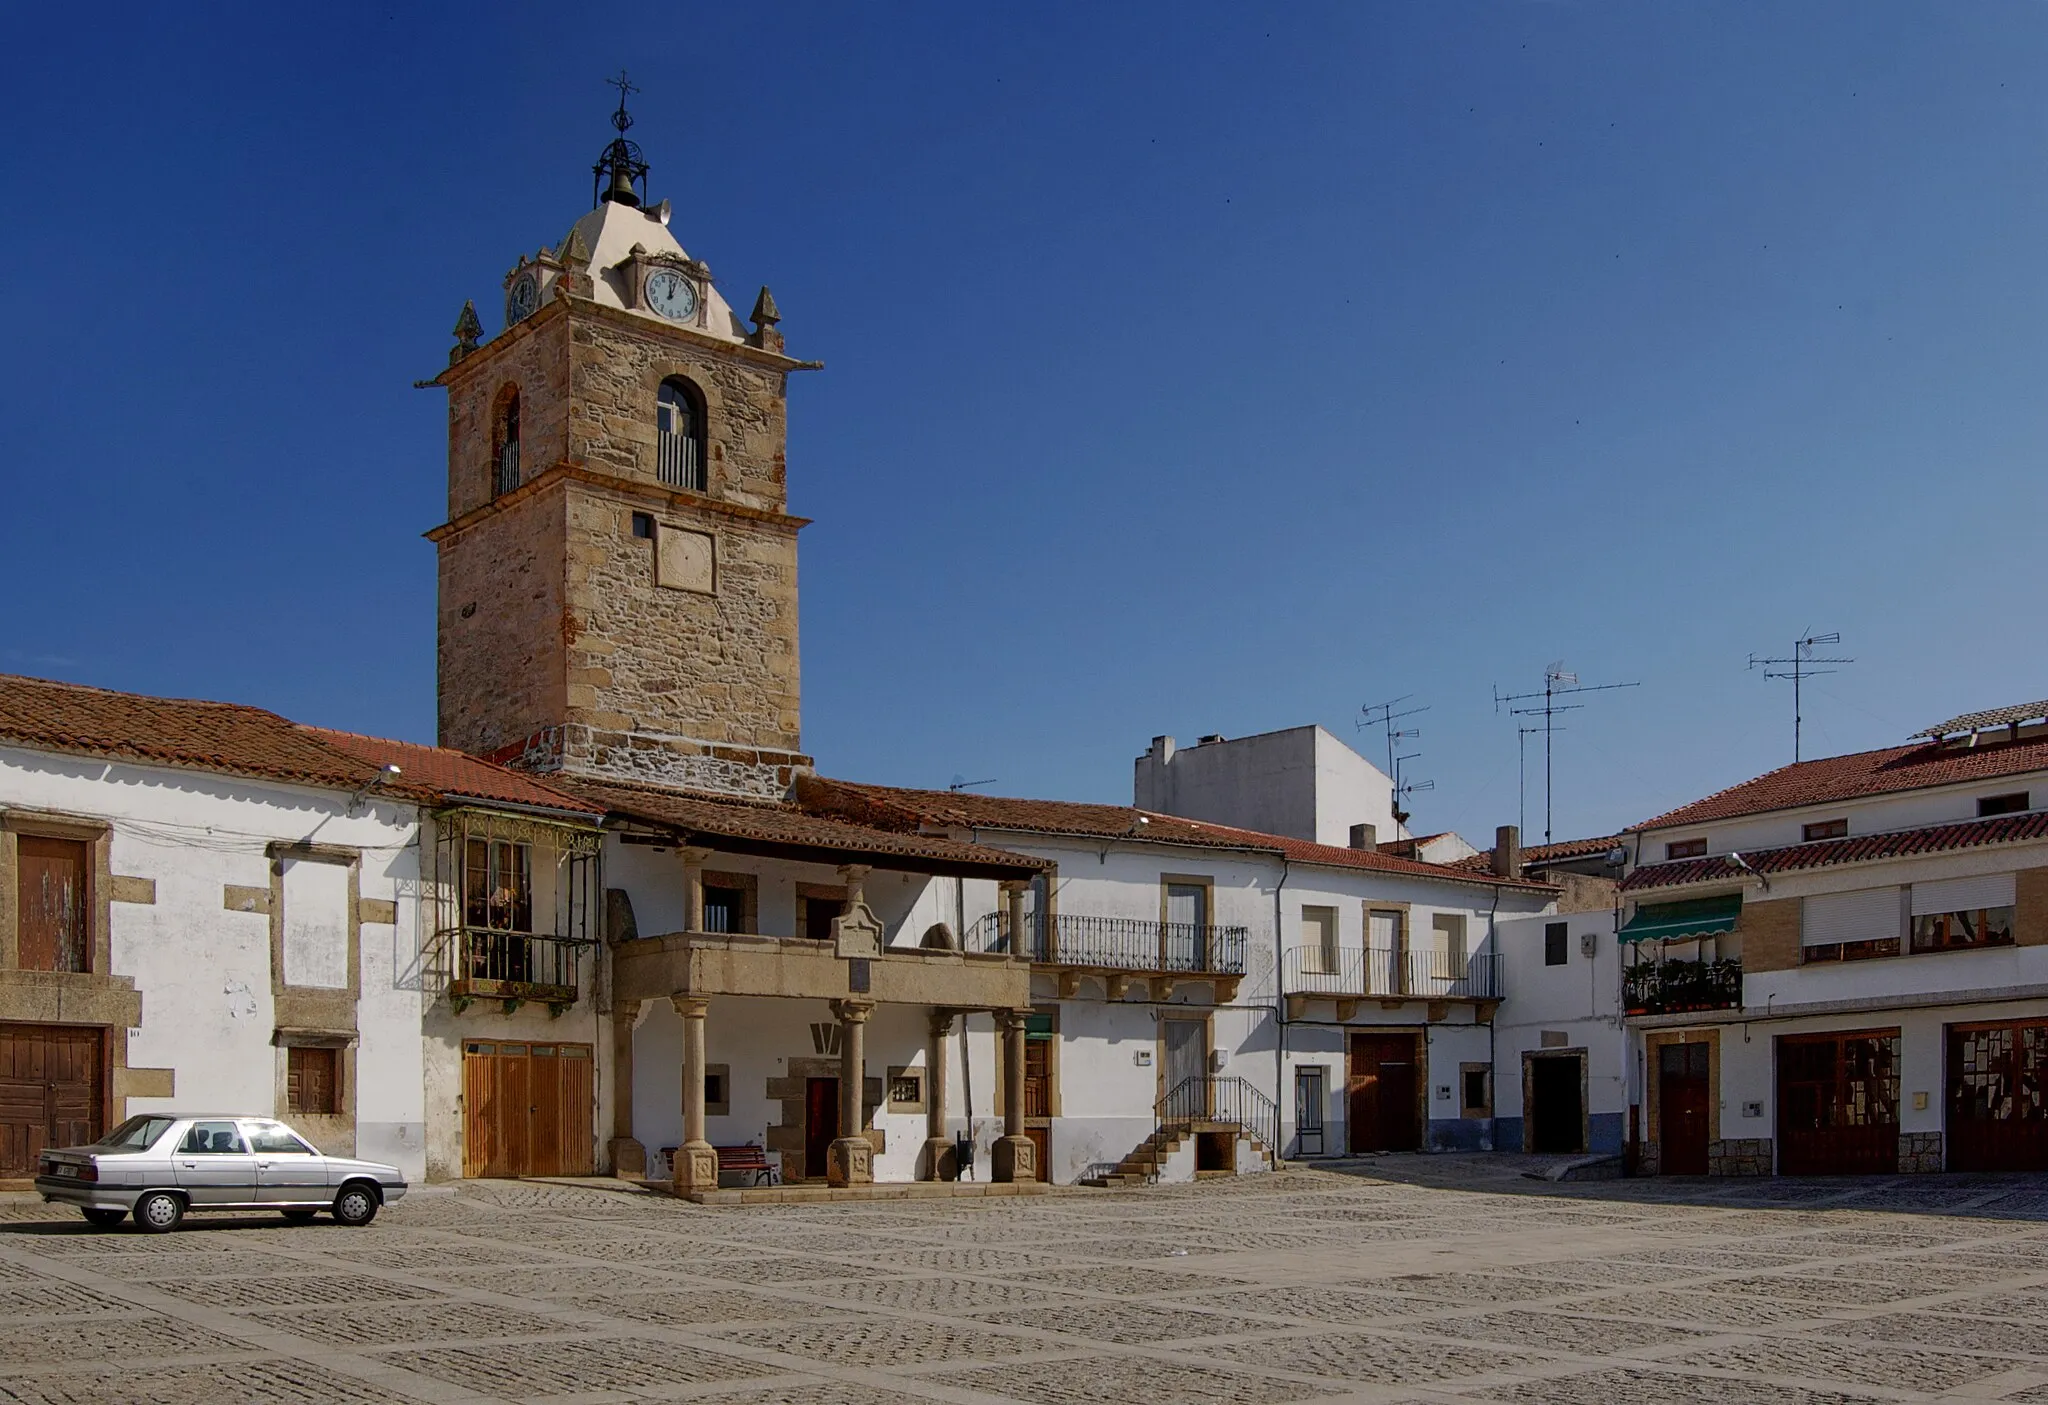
(1405, 1279)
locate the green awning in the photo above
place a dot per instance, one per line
(1695, 917)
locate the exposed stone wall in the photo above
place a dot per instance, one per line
(1739, 1156)
(534, 356)
(619, 363)
(1770, 935)
(502, 661)
(1582, 892)
(1919, 1152)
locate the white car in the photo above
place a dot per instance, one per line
(158, 1167)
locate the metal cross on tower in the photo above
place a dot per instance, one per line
(1802, 667)
(1558, 682)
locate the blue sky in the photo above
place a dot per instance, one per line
(1189, 369)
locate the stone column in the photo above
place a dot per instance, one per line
(1014, 890)
(855, 877)
(940, 1162)
(850, 1160)
(629, 1158)
(696, 1164)
(693, 887)
(1016, 1157)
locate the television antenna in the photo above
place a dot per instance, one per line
(1402, 788)
(961, 783)
(1558, 682)
(1384, 715)
(1801, 668)
(1522, 735)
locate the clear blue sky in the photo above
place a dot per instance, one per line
(1193, 370)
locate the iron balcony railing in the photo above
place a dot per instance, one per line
(1210, 1097)
(1674, 987)
(491, 965)
(1437, 975)
(1117, 943)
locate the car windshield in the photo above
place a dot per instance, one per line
(136, 1134)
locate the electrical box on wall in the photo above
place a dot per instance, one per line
(1589, 942)
(1218, 1058)
(1142, 1058)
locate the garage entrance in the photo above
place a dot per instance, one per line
(1997, 1084)
(1557, 1104)
(1838, 1104)
(1385, 1081)
(51, 1091)
(527, 1109)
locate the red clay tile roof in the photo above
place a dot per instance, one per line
(1861, 774)
(910, 811)
(1826, 853)
(244, 741)
(767, 826)
(456, 775)
(1539, 854)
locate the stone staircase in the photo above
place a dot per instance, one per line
(1143, 1164)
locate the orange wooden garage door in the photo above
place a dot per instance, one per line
(527, 1109)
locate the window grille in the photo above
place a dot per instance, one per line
(679, 438)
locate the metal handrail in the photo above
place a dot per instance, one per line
(1675, 987)
(493, 963)
(1210, 1097)
(1310, 969)
(1118, 943)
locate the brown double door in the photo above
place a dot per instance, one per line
(1682, 1106)
(527, 1109)
(52, 1091)
(1998, 1097)
(1838, 1104)
(1385, 1079)
(821, 1124)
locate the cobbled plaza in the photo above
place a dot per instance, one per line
(1413, 1279)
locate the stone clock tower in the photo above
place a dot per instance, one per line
(618, 593)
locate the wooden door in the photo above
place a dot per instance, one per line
(51, 1092)
(1683, 1123)
(1998, 1097)
(1186, 1069)
(1557, 1124)
(1041, 1138)
(1380, 1094)
(1037, 1076)
(821, 1124)
(527, 1109)
(54, 928)
(1838, 1104)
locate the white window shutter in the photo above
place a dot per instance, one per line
(1868, 915)
(1963, 894)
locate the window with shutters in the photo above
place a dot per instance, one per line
(1962, 913)
(1319, 940)
(1557, 943)
(497, 886)
(2012, 804)
(1854, 926)
(53, 903)
(1824, 829)
(679, 435)
(1685, 849)
(313, 1081)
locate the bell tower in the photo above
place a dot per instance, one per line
(617, 574)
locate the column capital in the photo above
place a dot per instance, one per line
(696, 856)
(1013, 1020)
(1015, 885)
(855, 873)
(690, 1007)
(852, 1011)
(942, 1023)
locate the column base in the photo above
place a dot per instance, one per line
(850, 1161)
(940, 1162)
(1014, 1159)
(629, 1158)
(696, 1168)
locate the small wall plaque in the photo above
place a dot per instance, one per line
(857, 932)
(1752, 1109)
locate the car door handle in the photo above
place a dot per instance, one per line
(263, 1165)
(190, 1165)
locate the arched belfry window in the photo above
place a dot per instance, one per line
(505, 457)
(679, 437)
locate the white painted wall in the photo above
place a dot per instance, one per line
(1301, 782)
(204, 972)
(1580, 1000)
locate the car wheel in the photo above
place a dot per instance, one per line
(102, 1216)
(298, 1216)
(356, 1205)
(158, 1212)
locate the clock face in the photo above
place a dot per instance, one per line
(671, 295)
(523, 299)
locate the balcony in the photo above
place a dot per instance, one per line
(511, 966)
(1679, 987)
(1351, 974)
(749, 963)
(1122, 949)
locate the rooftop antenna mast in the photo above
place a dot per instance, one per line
(1558, 682)
(1402, 788)
(1801, 668)
(1384, 715)
(1522, 735)
(960, 783)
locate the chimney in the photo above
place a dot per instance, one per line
(1507, 852)
(1162, 749)
(1365, 836)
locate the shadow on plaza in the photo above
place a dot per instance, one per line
(1980, 1195)
(60, 1221)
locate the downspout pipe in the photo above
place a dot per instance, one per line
(1280, 1001)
